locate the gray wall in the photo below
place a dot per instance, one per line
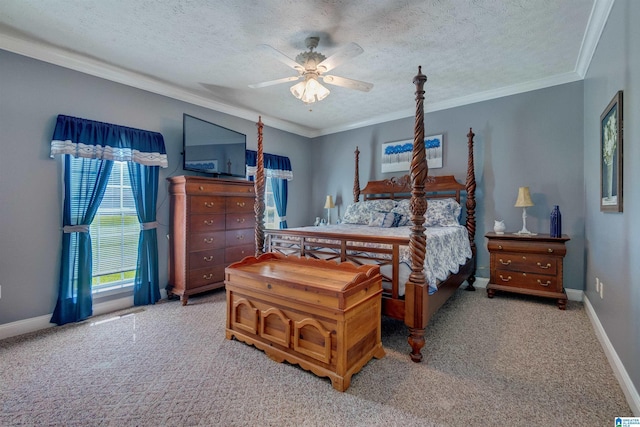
(532, 139)
(612, 248)
(32, 94)
(546, 139)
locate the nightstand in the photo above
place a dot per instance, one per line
(527, 265)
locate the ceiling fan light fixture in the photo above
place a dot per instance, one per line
(310, 90)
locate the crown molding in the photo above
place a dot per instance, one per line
(57, 56)
(462, 101)
(64, 58)
(595, 26)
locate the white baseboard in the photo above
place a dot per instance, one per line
(481, 282)
(42, 322)
(630, 392)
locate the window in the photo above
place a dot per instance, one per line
(271, 218)
(115, 231)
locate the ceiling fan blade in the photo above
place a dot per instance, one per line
(347, 52)
(274, 82)
(348, 83)
(272, 51)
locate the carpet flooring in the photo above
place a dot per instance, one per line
(511, 360)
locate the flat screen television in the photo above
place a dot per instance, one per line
(213, 149)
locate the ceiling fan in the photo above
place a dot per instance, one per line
(312, 65)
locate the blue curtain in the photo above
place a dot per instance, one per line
(251, 159)
(98, 144)
(278, 170)
(280, 190)
(144, 185)
(81, 201)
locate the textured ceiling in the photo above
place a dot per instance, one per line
(207, 52)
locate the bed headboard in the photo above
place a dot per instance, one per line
(400, 188)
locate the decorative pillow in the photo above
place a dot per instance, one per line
(403, 207)
(385, 219)
(442, 213)
(361, 212)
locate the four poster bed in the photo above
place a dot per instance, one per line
(423, 259)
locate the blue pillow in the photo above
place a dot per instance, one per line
(386, 219)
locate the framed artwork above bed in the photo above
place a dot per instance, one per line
(396, 156)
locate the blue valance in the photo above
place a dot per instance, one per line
(96, 140)
(274, 166)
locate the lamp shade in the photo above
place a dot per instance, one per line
(309, 90)
(524, 198)
(328, 204)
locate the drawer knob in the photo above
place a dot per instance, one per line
(208, 222)
(544, 266)
(547, 283)
(505, 280)
(208, 258)
(208, 239)
(241, 204)
(208, 204)
(240, 237)
(500, 247)
(550, 250)
(201, 188)
(240, 220)
(207, 276)
(505, 263)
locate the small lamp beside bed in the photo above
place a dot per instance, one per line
(524, 201)
(328, 205)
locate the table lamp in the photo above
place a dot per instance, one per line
(328, 205)
(524, 201)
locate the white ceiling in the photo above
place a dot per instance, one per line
(207, 52)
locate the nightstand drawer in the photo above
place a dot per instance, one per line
(549, 248)
(522, 262)
(539, 282)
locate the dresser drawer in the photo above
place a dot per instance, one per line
(534, 263)
(203, 259)
(240, 220)
(206, 204)
(239, 204)
(202, 241)
(213, 187)
(240, 237)
(205, 276)
(237, 253)
(549, 248)
(539, 282)
(204, 223)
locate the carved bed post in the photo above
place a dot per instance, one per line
(416, 297)
(356, 178)
(259, 190)
(471, 208)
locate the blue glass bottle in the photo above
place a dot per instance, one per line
(556, 222)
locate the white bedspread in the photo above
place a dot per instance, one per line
(447, 248)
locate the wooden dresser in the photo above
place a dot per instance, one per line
(212, 224)
(527, 265)
(318, 314)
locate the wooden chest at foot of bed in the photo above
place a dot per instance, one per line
(318, 314)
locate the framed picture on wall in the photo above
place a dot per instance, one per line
(611, 137)
(396, 156)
